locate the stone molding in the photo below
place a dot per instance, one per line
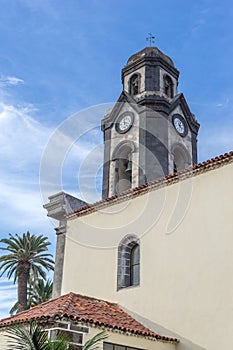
(182, 175)
(60, 204)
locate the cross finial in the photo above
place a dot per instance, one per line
(150, 38)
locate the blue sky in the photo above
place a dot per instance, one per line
(58, 58)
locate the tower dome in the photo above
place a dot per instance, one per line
(150, 52)
(150, 71)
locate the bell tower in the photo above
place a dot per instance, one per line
(150, 132)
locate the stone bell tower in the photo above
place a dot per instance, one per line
(150, 132)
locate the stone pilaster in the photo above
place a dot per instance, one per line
(58, 207)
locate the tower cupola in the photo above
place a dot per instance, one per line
(150, 71)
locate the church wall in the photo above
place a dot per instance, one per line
(186, 242)
(132, 341)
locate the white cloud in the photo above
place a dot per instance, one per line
(7, 81)
(22, 144)
(22, 210)
(70, 146)
(22, 138)
(8, 296)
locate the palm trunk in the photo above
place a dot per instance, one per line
(23, 275)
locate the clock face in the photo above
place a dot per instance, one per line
(124, 123)
(179, 125)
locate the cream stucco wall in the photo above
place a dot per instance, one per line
(132, 341)
(186, 239)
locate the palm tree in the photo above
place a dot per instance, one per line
(32, 337)
(38, 293)
(26, 254)
(41, 292)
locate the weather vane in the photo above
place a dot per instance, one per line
(150, 38)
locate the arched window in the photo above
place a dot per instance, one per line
(128, 273)
(168, 86)
(134, 84)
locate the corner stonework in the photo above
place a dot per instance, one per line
(59, 206)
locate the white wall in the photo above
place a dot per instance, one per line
(186, 235)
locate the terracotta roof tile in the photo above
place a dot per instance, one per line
(191, 171)
(85, 309)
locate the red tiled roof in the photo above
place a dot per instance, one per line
(191, 171)
(85, 309)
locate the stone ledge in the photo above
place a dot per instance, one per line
(60, 204)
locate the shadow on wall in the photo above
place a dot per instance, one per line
(184, 344)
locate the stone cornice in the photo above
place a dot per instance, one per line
(195, 170)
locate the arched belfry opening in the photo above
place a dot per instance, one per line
(122, 157)
(168, 86)
(181, 157)
(134, 84)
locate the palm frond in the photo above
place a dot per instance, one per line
(14, 309)
(25, 337)
(93, 343)
(60, 343)
(32, 337)
(41, 292)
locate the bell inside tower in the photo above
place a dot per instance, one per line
(123, 167)
(134, 85)
(168, 86)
